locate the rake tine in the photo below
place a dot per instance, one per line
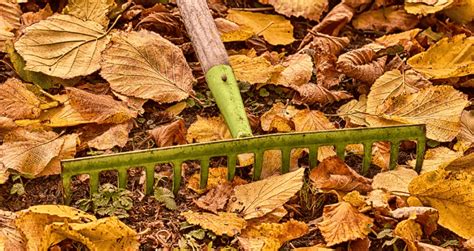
(150, 177)
(231, 164)
(257, 167)
(176, 175)
(367, 157)
(204, 162)
(394, 145)
(285, 159)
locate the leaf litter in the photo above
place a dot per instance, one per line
(96, 77)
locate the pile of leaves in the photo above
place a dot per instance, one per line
(83, 78)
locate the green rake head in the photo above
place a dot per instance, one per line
(203, 152)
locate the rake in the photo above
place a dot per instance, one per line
(223, 85)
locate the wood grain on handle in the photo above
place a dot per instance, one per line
(203, 33)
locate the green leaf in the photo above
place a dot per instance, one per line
(166, 197)
(17, 188)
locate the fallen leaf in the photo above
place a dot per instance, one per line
(297, 70)
(439, 107)
(275, 29)
(317, 94)
(466, 134)
(335, 20)
(216, 198)
(136, 104)
(361, 64)
(360, 244)
(33, 152)
(436, 158)
(378, 198)
(223, 223)
(114, 135)
(143, 64)
(353, 112)
(10, 13)
(208, 129)
(469, 243)
(278, 118)
(405, 39)
(251, 69)
(452, 194)
(427, 217)
(449, 57)
(90, 10)
(17, 102)
(6, 125)
(428, 247)
(217, 176)
(164, 22)
(462, 11)
(409, 231)
(388, 19)
(5, 36)
(462, 163)
(231, 32)
(355, 199)
(169, 134)
(165, 196)
(396, 180)
(318, 247)
(261, 197)
(342, 222)
(333, 173)
(63, 116)
(10, 237)
(79, 51)
(273, 235)
(103, 234)
(99, 108)
(32, 17)
(312, 9)
(425, 7)
(273, 217)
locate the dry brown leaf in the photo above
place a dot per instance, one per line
(115, 135)
(216, 198)
(10, 13)
(393, 84)
(462, 11)
(378, 198)
(63, 46)
(317, 94)
(261, 197)
(275, 29)
(145, 65)
(388, 19)
(30, 18)
(429, 247)
(360, 244)
(136, 104)
(342, 222)
(353, 112)
(278, 118)
(436, 158)
(425, 7)
(427, 217)
(229, 224)
(90, 10)
(319, 247)
(406, 39)
(10, 236)
(231, 32)
(466, 134)
(101, 109)
(271, 236)
(208, 129)
(164, 22)
(409, 231)
(6, 125)
(297, 70)
(17, 102)
(439, 107)
(335, 20)
(62, 116)
(251, 69)
(452, 194)
(173, 133)
(396, 180)
(361, 64)
(5, 36)
(333, 173)
(469, 243)
(34, 152)
(310, 9)
(449, 57)
(273, 217)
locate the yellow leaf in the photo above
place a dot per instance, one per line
(217, 176)
(398, 38)
(296, 70)
(271, 236)
(143, 64)
(462, 11)
(63, 116)
(261, 197)
(177, 108)
(17, 102)
(395, 180)
(436, 158)
(251, 69)
(102, 109)
(452, 194)
(342, 222)
(439, 107)
(63, 46)
(275, 29)
(386, 19)
(223, 223)
(425, 7)
(410, 231)
(449, 57)
(231, 32)
(354, 111)
(90, 10)
(208, 129)
(310, 9)
(5, 36)
(355, 199)
(104, 234)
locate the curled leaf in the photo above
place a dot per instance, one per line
(361, 64)
(169, 134)
(310, 9)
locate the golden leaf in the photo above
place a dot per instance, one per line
(452, 194)
(261, 197)
(388, 19)
(217, 176)
(333, 174)
(90, 10)
(449, 57)
(436, 158)
(439, 107)
(208, 129)
(317, 94)
(342, 222)
(426, 216)
(378, 199)
(398, 38)
(143, 64)
(231, 32)
(462, 11)
(104, 234)
(353, 112)
(393, 84)
(425, 7)
(361, 64)
(278, 118)
(394, 180)
(33, 152)
(63, 116)
(272, 235)
(101, 109)
(297, 71)
(410, 231)
(318, 247)
(310, 9)
(10, 236)
(355, 199)
(223, 223)
(17, 102)
(63, 46)
(251, 69)
(115, 135)
(275, 29)
(173, 133)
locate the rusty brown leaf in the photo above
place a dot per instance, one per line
(335, 20)
(114, 135)
(173, 133)
(388, 19)
(362, 64)
(317, 94)
(30, 18)
(17, 102)
(223, 223)
(216, 198)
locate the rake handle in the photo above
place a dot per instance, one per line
(203, 33)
